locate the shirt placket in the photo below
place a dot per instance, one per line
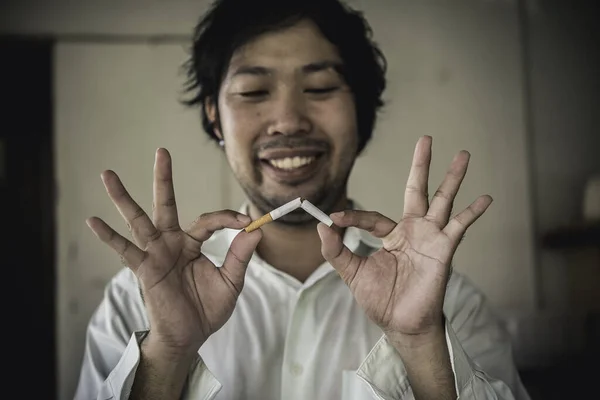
(297, 377)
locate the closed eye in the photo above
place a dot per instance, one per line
(322, 90)
(254, 93)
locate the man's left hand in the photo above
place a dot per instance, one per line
(402, 286)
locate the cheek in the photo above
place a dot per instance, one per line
(240, 127)
(338, 120)
(238, 120)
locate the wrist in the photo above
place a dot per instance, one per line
(415, 341)
(426, 358)
(162, 371)
(155, 348)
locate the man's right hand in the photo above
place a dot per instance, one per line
(187, 297)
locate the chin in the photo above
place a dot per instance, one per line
(278, 194)
(324, 195)
(297, 218)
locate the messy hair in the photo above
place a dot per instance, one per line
(229, 24)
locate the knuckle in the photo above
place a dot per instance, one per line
(126, 247)
(137, 214)
(217, 214)
(377, 215)
(154, 236)
(410, 215)
(213, 220)
(228, 213)
(169, 202)
(442, 194)
(238, 259)
(172, 227)
(460, 221)
(204, 216)
(413, 189)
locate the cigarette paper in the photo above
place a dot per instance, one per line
(286, 208)
(273, 215)
(315, 212)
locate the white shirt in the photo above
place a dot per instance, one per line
(298, 341)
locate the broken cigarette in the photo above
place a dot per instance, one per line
(315, 212)
(273, 215)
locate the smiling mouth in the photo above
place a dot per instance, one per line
(291, 163)
(292, 167)
(291, 159)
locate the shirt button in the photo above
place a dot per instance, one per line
(296, 369)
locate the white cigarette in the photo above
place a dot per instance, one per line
(286, 208)
(273, 215)
(315, 212)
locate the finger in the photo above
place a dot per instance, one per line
(129, 252)
(443, 199)
(138, 222)
(345, 262)
(164, 212)
(373, 222)
(415, 196)
(458, 225)
(239, 255)
(207, 224)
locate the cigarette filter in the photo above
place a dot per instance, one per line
(273, 215)
(257, 223)
(315, 212)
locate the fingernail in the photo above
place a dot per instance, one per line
(339, 214)
(319, 230)
(243, 218)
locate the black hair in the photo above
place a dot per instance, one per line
(229, 24)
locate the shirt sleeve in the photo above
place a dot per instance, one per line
(112, 349)
(480, 354)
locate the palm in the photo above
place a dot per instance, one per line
(187, 297)
(176, 275)
(403, 273)
(401, 286)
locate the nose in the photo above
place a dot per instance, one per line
(289, 116)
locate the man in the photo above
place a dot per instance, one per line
(367, 309)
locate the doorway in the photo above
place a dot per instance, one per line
(27, 204)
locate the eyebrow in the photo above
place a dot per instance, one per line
(256, 70)
(252, 70)
(322, 66)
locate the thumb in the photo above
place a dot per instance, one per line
(344, 261)
(239, 255)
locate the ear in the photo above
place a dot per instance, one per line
(210, 108)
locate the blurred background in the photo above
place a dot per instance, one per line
(92, 85)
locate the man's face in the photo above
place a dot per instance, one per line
(288, 120)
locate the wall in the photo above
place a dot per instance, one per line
(454, 73)
(115, 105)
(564, 65)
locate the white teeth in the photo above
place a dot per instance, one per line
(291, 162)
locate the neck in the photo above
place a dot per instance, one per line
(293, 249)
